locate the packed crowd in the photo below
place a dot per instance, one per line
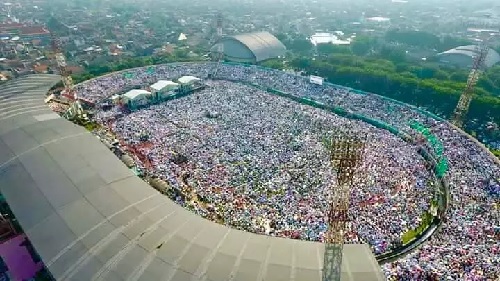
(262, 165)
(466, 247)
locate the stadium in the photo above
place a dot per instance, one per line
(236, 157)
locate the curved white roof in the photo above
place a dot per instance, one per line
(471, 51)
(262, 44)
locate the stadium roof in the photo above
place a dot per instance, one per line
(90, 218)
(262, 44)
(471, 51)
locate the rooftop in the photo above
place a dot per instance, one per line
(188, 79)
(162, 84)
(133, 94)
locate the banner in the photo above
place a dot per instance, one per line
(435, 144)
(316, 80)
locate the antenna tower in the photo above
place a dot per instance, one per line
(346, 153)
(466, 97)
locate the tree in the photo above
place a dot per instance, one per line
(361, 45)
(496, 152)
(449, 42)
(299, 45)
(273, 63)
(393, 54)
(413, 38)
(181, 53)
(329, 48)
(459, 76)
(301, 63)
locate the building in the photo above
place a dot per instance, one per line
(25, 33)
(463, 56)
(188, 80)
(251, 47)
(135, 97)
(163, 88)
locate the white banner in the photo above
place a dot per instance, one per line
(316, 80)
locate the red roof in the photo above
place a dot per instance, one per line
(8, 26)
(23, 30)
(33, 30)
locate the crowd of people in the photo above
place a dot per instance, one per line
(262, 164)
(467, 245)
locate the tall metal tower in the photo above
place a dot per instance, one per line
(467, 95)
(220, 46)
(75, 110)
(346, 152)
(8, 7)
(61, 65)
(217, 55)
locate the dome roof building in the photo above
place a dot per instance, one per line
(463, 56)
(251, 47)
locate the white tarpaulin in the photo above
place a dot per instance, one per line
(316, 80)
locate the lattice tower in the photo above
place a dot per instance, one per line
(464, 102)
(220, 46)
(9, 9)
(346, 152)
(62, 67)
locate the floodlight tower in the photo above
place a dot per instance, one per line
(467, 95)
(75, 110)
(61, 65)
(346, 153)
(220, 46)
(8, 7)
(217, 55)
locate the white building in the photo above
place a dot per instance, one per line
(328, 38)
(463, 56)
(163, 88)
(188, 80)
(136, 97)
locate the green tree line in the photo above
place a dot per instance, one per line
(95, 70)
(425, 85)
